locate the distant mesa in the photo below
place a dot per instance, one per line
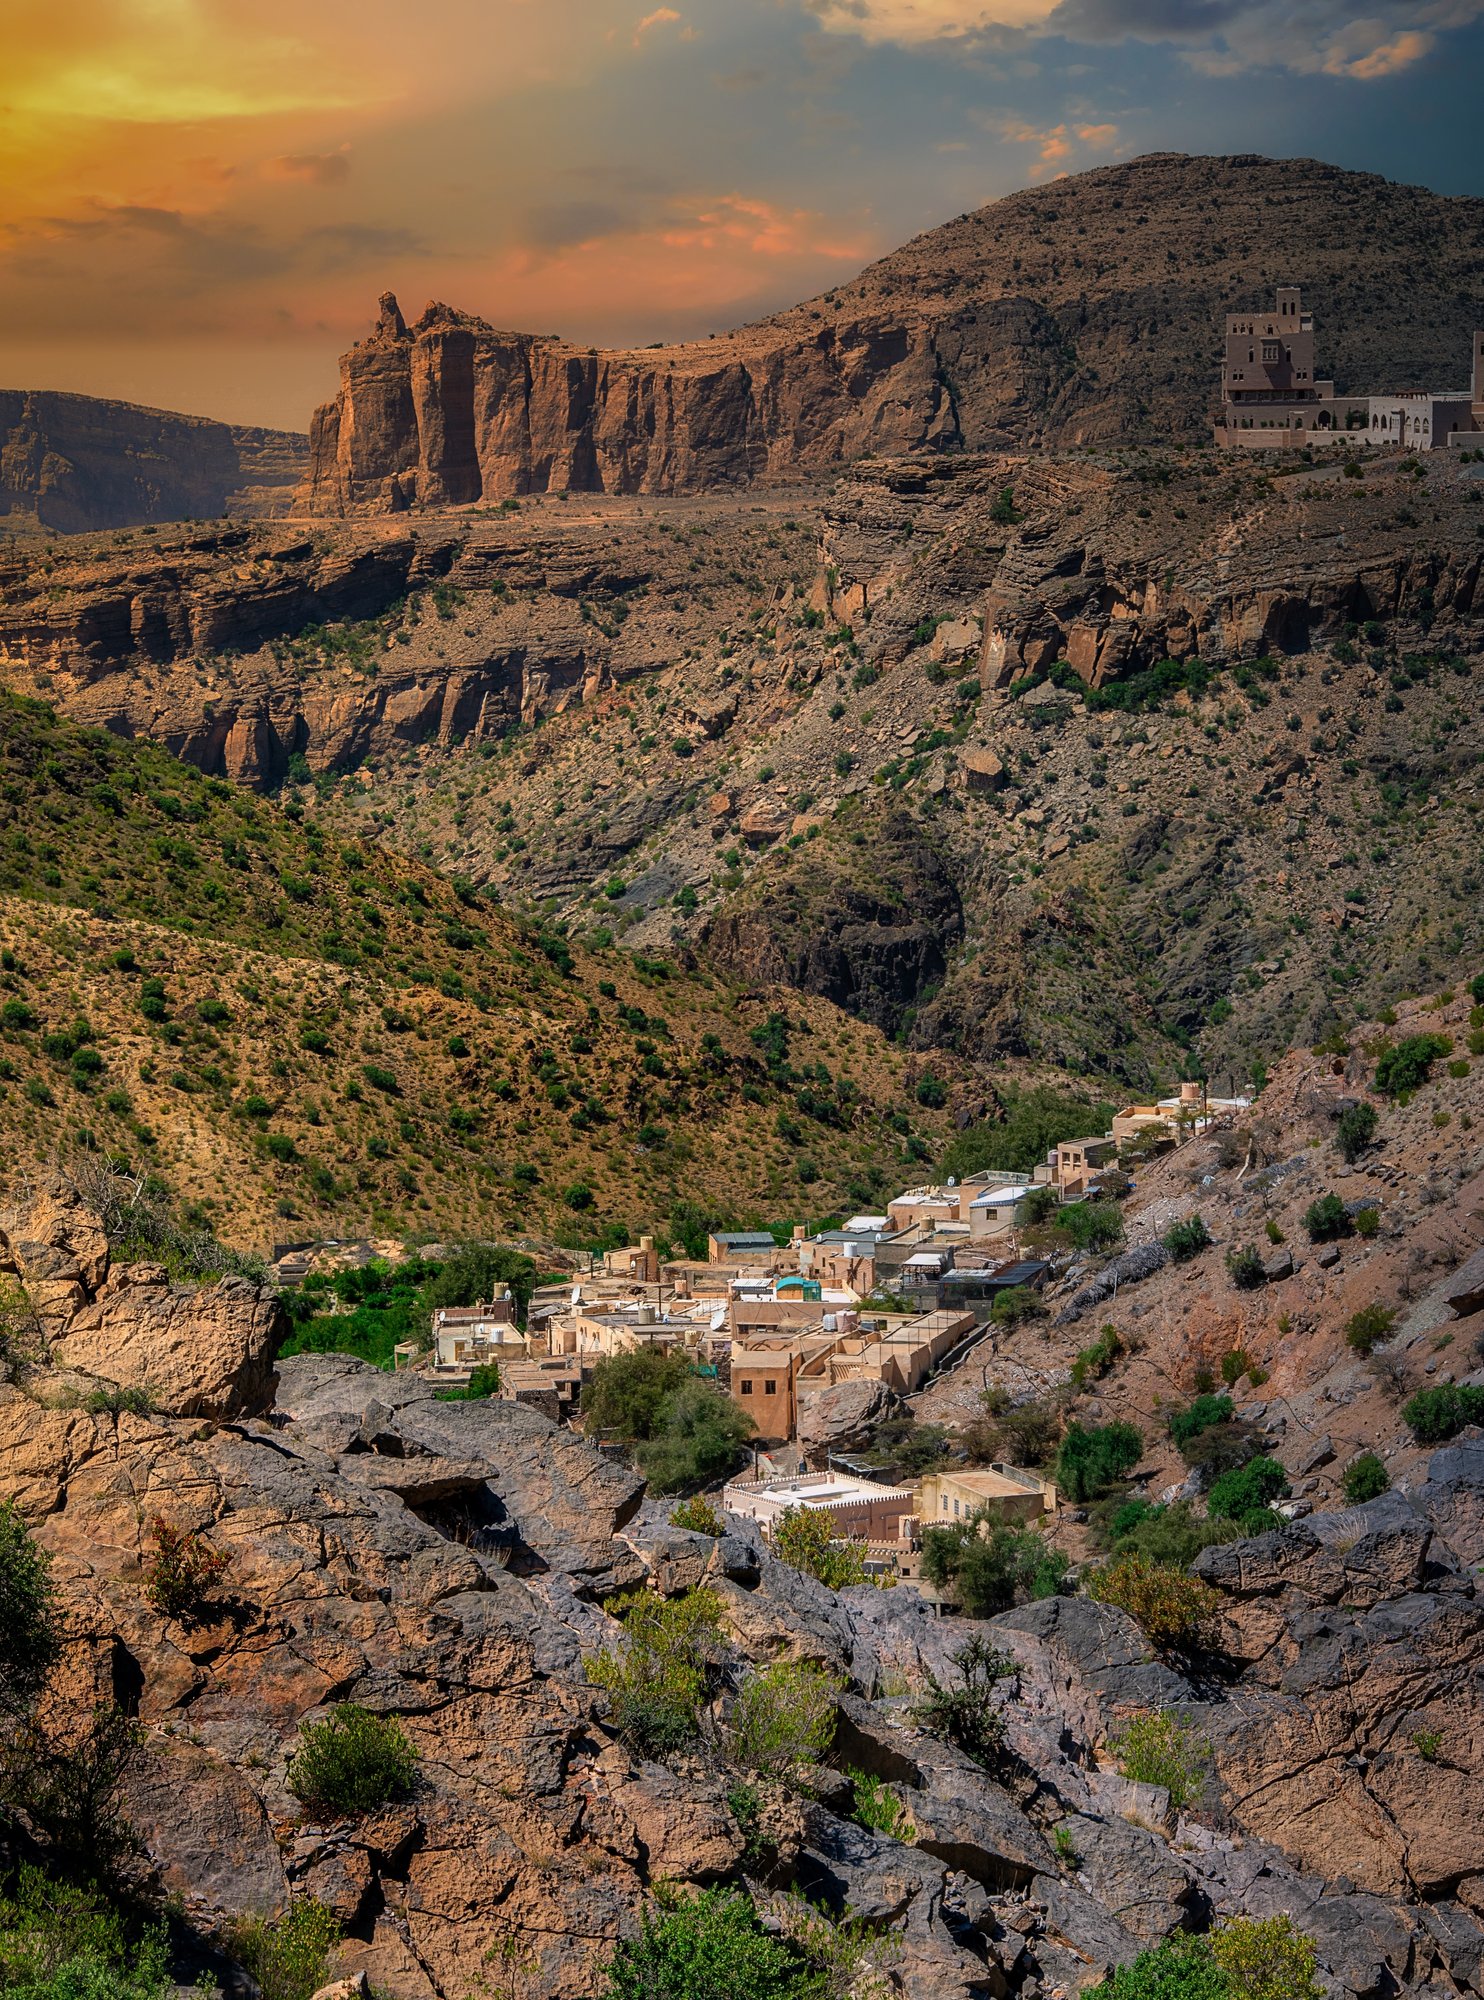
(77, 463)
(1085, 312)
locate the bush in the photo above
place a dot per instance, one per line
(30, 1638)
(1407, 1066)
(707, 1947)
(801, 1538)
(1187, 1239)
(1177, 1613)
(1246, 1494)
(965, 1712)
(931, 1094)
(1092, 1225)
(1015, 1305)
(1173, 1535)
(629, 1396)
(699, 1516)
(658, 1684)
(1327, 1219)
(1203, 1415)
(351, 1763)
(1356, 1129)
(1265, 1958)
(1244, 1268)
(876, 1806)
(1160, 1749)
(179, 1577)
(1364, 1478)
(60, 1942)
(1093, 1456)
(288, 1957)
(988, 1565)
(700, 1437)
(1435, 1415)
(1364, 1329)
(1181, 1968)
(1094, 1362)
(784, 1715)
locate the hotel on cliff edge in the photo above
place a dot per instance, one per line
(1269, 391)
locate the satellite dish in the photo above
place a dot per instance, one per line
(951, 1181)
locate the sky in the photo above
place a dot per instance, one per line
(200, 200)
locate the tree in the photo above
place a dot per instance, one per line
(630, 1394)
(987, 1565)
(1406, 1067)
(30, 1636)
(1327, 1219)
(1187, 1239)
(1356, 1129)
(801, 1538)
(966, 1711)
(1093, 1457)
(1034, 1122)
(700, 1437)
(475, 1271)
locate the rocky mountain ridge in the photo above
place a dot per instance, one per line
(70, 464)
(1085, 311)
(456, 1565)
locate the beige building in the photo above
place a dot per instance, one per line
(772, 1371)
(858, 1509)
(1271, 390)
(466, 1337)
(1006, 1492)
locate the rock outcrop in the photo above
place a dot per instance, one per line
(1029, 321)
(73, 463)
(196, 1351)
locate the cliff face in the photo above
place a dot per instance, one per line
(1077, 313)
(73, 463)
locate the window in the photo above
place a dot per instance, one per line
(770, 1388)
(744, 1388)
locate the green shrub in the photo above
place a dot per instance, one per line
(1177, 1613)
(1172, 1536)
(30, 1638)
(1364, 1478)
(1265, 1958)
(1181, 1968)
(784, 1716)
(1435, 1415)
(965, 1711)
(1016, 1304)
(660, 1681)
(700, 1437)
(1327, 1219)
(63, 1942)
(288, 1956)
(1364, 1329)
(801, 1538)
(1235, 1363)
(1356, 1129)
(1093, 1457)
(707, 1947)
(1094, 1362)
(1187, 1239)
(987, 1565)
(876, 1806)
(699, 1516)
(1246, 1494)
(1244, 1268)
(1034, 1122)
(1202, 1415)
(1160, 1749)
(1092, 1225)
(1407, 1066)
(180, 1576)
(351, 1763)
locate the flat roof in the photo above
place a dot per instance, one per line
(992, 1197)
(747, 1239)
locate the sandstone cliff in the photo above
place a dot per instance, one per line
(1088, 310)
(78, 462)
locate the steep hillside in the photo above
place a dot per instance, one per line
(1085, 311)
(304, 1033)
(70, 463)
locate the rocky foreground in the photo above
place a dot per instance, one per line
(449, 1563)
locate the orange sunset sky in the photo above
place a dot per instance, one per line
(200, 199)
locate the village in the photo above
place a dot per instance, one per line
(816, 1338)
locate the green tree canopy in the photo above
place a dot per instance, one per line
(1034, 1121)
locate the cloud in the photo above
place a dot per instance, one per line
(563, 225)
(323, 169)
(1217, 37)
(662, 17)
(1056, 144)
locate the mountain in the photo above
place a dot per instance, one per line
(1085, 311)
(304, 1034)
(70, 463)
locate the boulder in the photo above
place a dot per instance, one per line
(204, 1831)
(844, 1416)
(204, 1352)
(1278, 1266)
(1463, 1293)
